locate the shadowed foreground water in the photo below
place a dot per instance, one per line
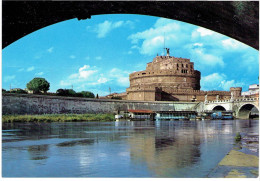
(118, 149)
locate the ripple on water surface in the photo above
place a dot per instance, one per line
(118, 149)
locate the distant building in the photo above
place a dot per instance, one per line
(252, 91)
(115, 96)
(169, 78)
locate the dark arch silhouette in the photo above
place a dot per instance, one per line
(218, 108)
(245, 110)
(236, 19)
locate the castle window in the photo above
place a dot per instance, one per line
(186, 65)
(181, 65)
(143, 73)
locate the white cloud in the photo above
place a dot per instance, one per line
(104, 28)
(208, 36)
(202, 58)
(98, 58)
(102, 80)
(198, 44)
(50, 50)
(231, 44)
(249, 62)
(123, 81)
(29, 69)
(72, 56)
(164, 31)
(21, 69)
(226, 84)
(204, 31)
(85, 72)
(120, 76)
(39, 73)
(9, 78)
(85, 75)
(218, 81)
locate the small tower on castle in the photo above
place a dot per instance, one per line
(236, 92)
(168, 52)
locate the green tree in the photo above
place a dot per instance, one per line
(18, 91)
(97, 96)
(87, 94)
(38, 85)
(66, 92)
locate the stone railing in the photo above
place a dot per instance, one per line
(235, 100)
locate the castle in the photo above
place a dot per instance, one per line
(168, 78)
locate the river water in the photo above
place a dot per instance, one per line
(118, 149)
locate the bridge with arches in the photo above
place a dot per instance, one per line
(241, 108)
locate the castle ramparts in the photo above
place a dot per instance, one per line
(169, 78)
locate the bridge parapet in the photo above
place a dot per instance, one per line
(235, 100)
(247, 99)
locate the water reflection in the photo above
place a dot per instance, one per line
(118, 149)
(38, 152)
(166, 149)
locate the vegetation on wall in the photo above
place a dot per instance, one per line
(18, 91)
(72, 93)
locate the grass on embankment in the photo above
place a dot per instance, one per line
(57, 118)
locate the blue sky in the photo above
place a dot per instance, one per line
(98, 53)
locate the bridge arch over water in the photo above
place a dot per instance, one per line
(245, 110)
(238, 20)
(219, 108)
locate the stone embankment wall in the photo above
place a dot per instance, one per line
(41, 104)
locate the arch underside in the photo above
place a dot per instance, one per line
(248, 110)
(238, 20)
(219, 108)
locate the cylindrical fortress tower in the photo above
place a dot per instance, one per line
(164, 72)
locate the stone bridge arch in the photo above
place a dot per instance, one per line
(20, 18)
(219, 108)
(244, 110)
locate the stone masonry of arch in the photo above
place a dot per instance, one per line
(227, 17)
(230, 105)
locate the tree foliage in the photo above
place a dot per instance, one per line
(87, 94)
(38, 85)
(72, 93)
(18, 91)
(66, 92)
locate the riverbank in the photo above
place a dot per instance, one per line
(58, 118)
(242, 161)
